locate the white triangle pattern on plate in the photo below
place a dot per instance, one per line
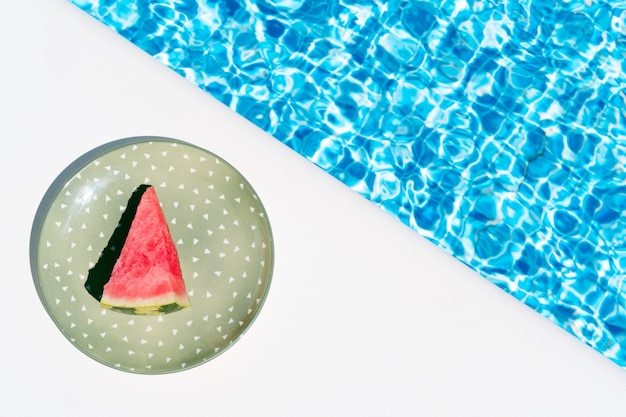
(223, 240)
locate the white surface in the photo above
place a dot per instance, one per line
(364, 316)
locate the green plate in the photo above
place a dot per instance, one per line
(222, 235)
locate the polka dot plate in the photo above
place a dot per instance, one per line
(222, 235)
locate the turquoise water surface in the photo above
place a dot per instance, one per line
(496, 129)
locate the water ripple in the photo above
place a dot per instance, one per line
(496, 129)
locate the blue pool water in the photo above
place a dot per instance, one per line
(496, 129)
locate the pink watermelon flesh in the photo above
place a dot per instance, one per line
(146, 278)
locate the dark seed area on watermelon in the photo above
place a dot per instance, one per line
(100, 274)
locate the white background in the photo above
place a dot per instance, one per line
(364, 317)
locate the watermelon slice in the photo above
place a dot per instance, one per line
(139, 270)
